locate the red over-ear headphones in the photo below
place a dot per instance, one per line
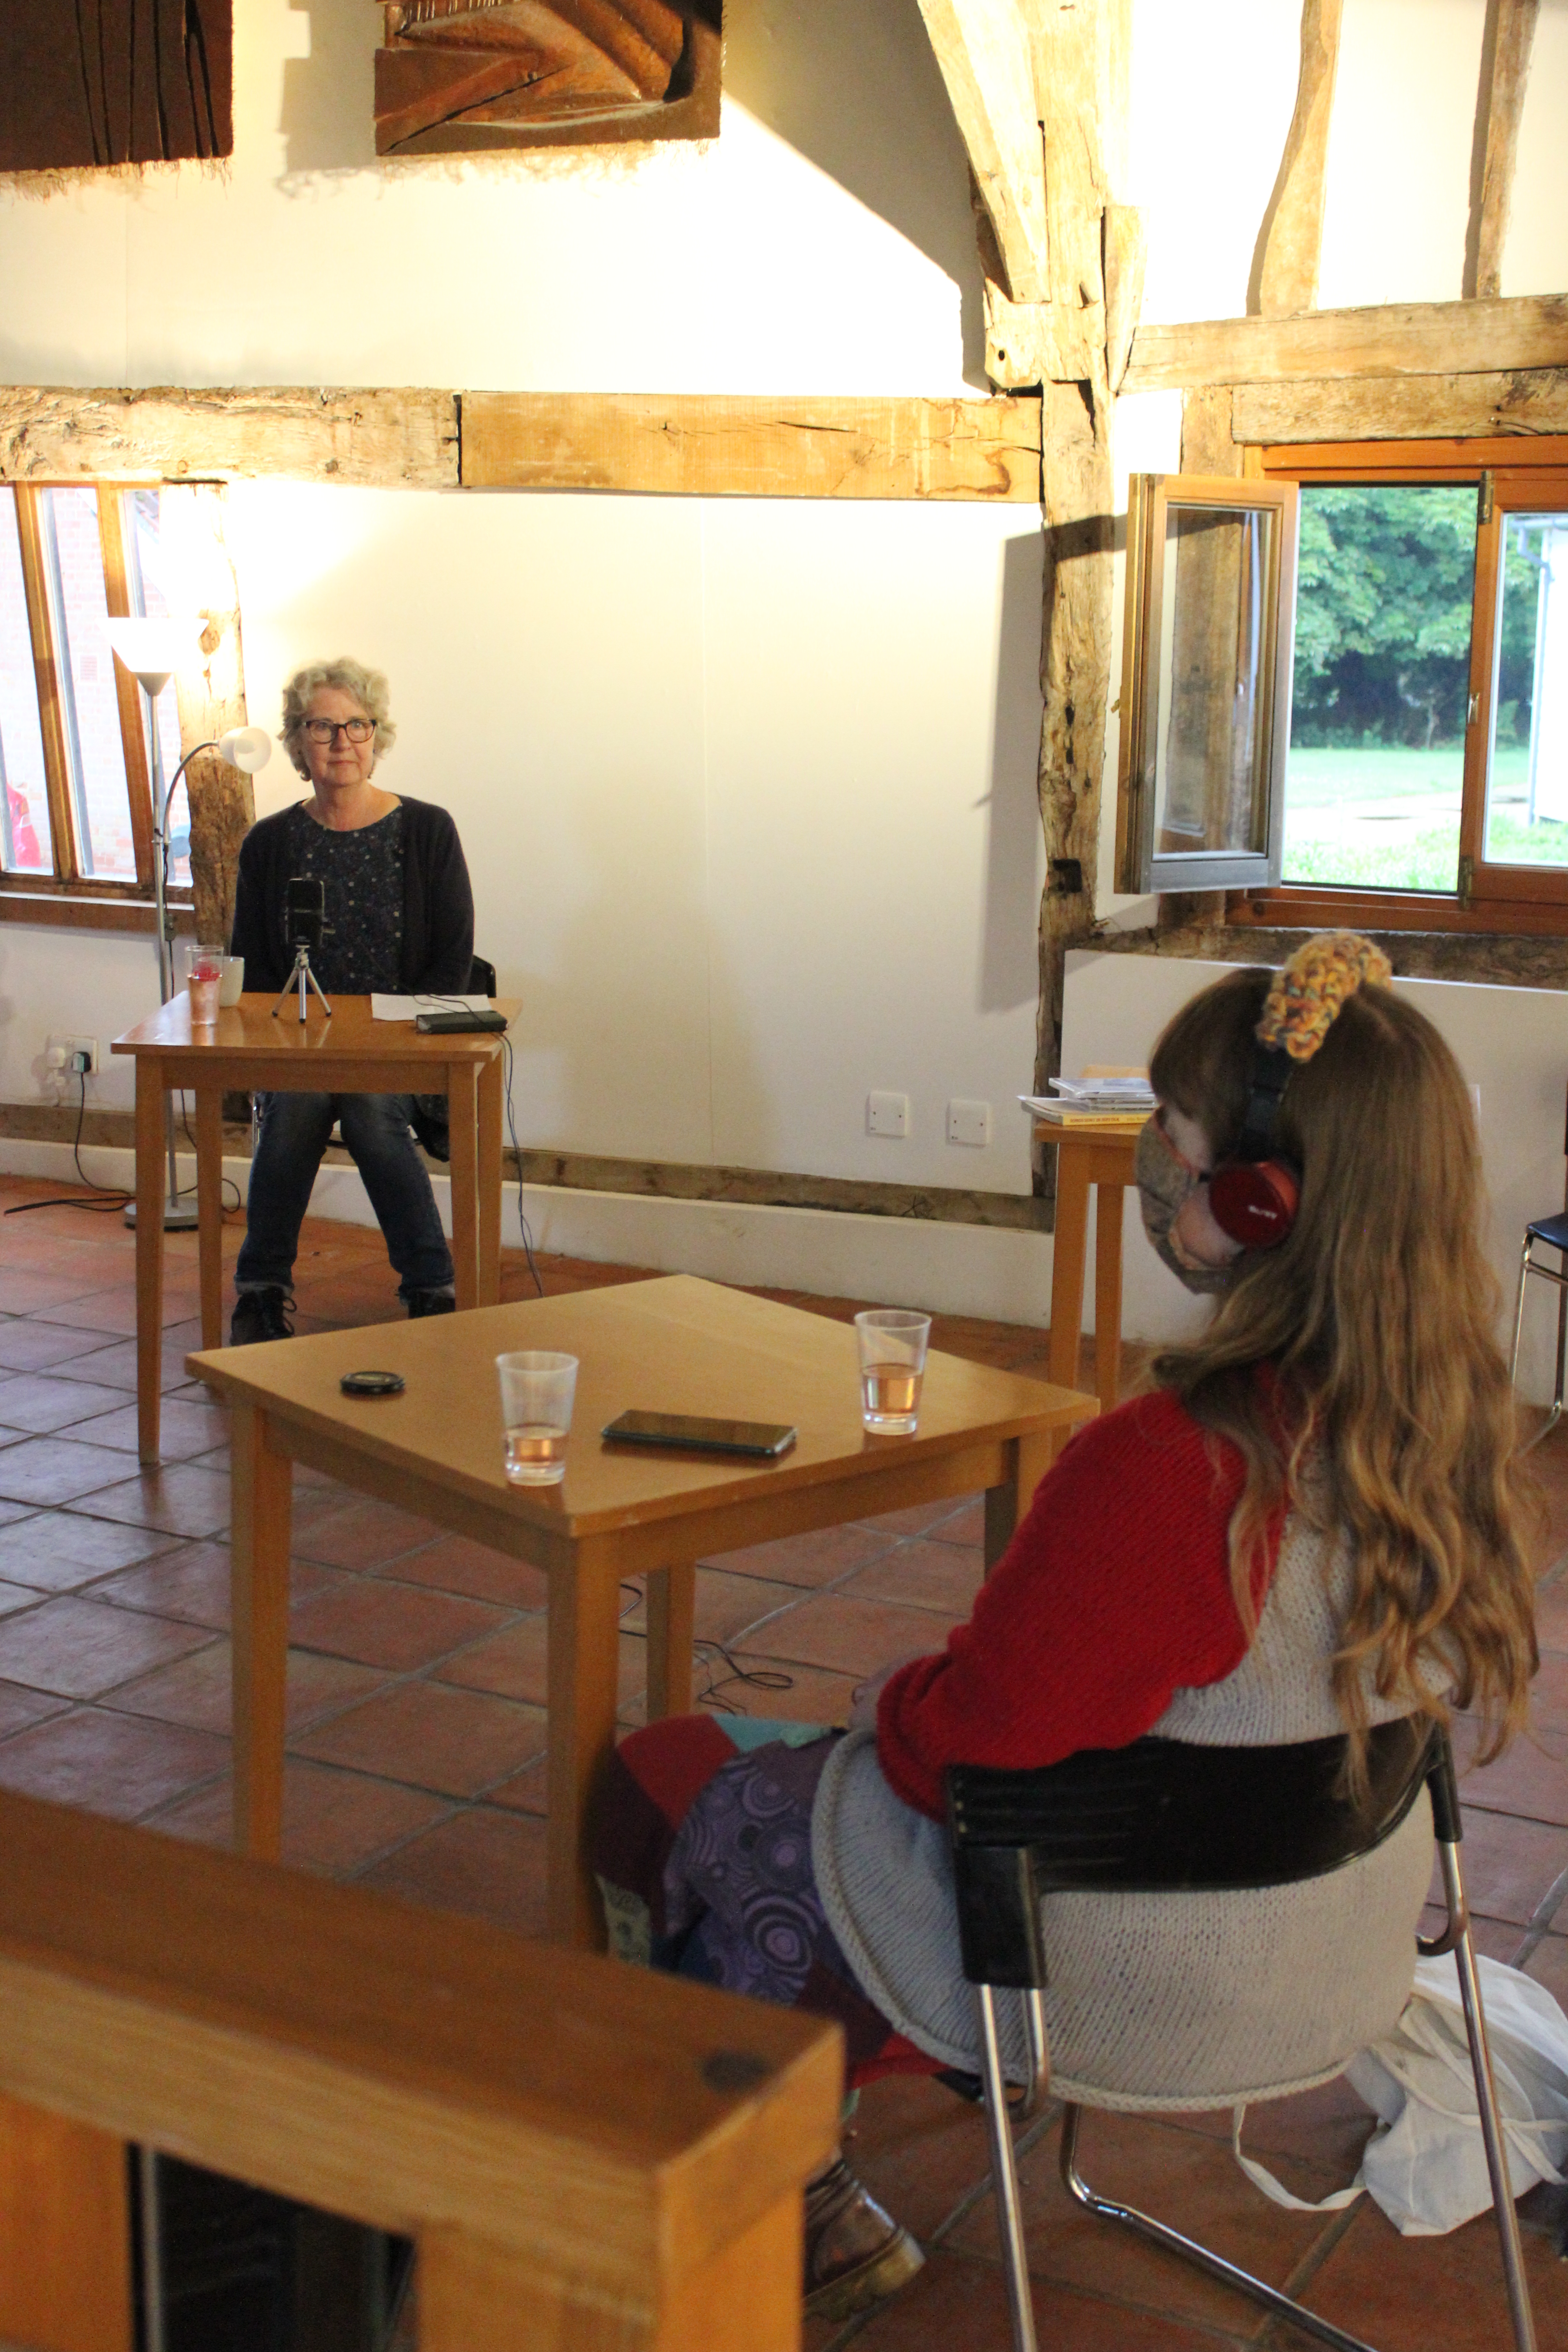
(1254, 1194)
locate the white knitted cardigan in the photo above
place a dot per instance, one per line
(1158, 2001)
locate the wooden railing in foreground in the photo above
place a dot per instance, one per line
(589, 2157)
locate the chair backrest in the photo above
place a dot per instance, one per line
(1163, 1815)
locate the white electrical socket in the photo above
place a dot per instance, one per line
(63, 1052)
(968, 1122)
(887, 1114)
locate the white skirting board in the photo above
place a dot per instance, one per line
(996, 1272)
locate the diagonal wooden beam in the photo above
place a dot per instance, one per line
(1499, 103)
(982, 49)
(1285, 262)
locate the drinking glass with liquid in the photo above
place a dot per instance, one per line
(204, 977)
(537, 1387)
(892, 1343)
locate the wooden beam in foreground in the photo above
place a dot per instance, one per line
(982, 49)
(587, 2154)
(735, 447)
(1499, 103)
(1404, 408)
(1285, 264)
(397, 439)
(1529, 330)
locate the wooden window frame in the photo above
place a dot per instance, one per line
(1141, 864)
(1508, 899)
(67, 895)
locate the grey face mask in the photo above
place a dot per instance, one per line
(1166, 1182)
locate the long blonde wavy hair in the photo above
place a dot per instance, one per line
(1392, 1416)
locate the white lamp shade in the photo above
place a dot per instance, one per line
(246, 747)
(152, 650)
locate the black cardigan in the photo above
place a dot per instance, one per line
(438, 904)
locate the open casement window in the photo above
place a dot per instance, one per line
(1345, 692)
(76, 821)
(1206, 696)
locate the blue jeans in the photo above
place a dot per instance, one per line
(294, 1132)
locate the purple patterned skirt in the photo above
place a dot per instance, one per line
(702, 1843)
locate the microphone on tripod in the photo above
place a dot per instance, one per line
(305, 926)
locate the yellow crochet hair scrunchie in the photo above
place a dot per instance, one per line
(1309, 989)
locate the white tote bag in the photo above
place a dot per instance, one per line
(1426, 2163)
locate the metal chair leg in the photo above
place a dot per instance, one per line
(1463, 1948)
(1158, 2233)
(1519, 1309)
(1004, 2176)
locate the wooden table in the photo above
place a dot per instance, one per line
(350, 1053)
(674, 1344)
(1099, 1152)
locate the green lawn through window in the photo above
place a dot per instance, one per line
(1386, 816)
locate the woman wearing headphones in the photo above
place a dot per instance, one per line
(1309, 1524)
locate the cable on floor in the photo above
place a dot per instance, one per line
(102, 1204)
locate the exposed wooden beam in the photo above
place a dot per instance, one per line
(1404, 408)
(1499, 103)
(1069, 45)
(1040, 342)
(1394, 339)
(750, 446)
(1126, 248)
(983, 50)
(406, 439)
(1208, 440)
(1285, 262)
(1075, 676)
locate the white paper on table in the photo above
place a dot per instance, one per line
(405, 1008)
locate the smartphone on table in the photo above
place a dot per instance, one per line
(763, 1440)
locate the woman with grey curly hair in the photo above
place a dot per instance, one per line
(400, 918)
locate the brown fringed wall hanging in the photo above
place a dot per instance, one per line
(86, 82)
(460, 77)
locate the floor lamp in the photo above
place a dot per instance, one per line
(152, 650)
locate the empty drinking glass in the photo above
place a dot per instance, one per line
(892, 1366)
(537, 1387)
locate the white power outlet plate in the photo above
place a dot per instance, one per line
(968, 1122)
(71, 1047)
(887, 1114)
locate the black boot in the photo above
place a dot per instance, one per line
(430, 1302)
(260, 1315)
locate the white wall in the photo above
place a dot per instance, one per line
(747, 787)
(1213, 88)
(1508, 1042)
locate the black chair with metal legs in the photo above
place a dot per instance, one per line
(1552, 1232)
(1163, 1815)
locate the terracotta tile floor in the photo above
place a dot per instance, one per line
(416, 1732)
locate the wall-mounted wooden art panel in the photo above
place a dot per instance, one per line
(114, 81)
(468, 76)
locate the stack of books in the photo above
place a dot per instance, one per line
(1100, 1097)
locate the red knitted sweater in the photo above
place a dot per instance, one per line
(1113, 1594)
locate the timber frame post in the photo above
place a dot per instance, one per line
(1066, 320)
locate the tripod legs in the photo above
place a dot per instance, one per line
(300, 979)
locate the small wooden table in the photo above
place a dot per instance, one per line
(350, 1053)
(674, 1344)
(1099, 1152)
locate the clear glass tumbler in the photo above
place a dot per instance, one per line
(892, 1366)
(204, 978)
(537, 1387)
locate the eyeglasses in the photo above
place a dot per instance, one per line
(327, 730)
